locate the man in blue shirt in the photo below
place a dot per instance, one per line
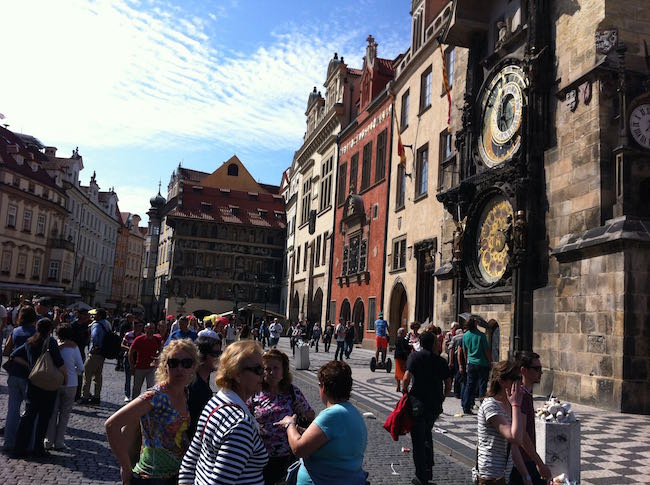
(381, 339)
(94, 365)
(183, 332)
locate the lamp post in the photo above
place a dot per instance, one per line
(234, 289)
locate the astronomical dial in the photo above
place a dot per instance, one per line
(502, 107)
(492, 239)
(640, 125)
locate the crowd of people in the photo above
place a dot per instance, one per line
(259, 427)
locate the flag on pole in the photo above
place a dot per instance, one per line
(445, 80)
(400, 148)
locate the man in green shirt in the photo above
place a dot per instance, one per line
(478, 360)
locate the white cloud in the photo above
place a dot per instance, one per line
(108, 74)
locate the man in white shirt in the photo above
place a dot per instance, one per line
(276, 331)
(231, 332)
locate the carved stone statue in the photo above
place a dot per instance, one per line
(457, 242)
(519, 231)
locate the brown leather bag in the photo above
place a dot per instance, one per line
(492, 481)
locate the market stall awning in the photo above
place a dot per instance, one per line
(36, 289)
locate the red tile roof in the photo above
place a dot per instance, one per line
(7, 138)
(233, 207)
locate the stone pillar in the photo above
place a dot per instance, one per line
(558, 444)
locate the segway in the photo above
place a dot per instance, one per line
(387, 364)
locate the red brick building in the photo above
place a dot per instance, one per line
(361, 201)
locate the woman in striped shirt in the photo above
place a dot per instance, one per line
(227, 448)
(501, 426)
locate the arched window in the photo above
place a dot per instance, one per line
(233, 170)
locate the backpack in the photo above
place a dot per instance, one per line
(111, 345)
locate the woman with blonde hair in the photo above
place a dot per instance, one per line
(278, 398)
(501, 426)
(163, 418)
(227, 447)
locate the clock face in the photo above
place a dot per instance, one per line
(502, 106)
(492, 239)
(640, 125)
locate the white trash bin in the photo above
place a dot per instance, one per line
(302, 355)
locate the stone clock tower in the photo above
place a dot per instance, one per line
(549, 219)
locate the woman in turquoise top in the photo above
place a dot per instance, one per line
(162, 414)
(333, 445)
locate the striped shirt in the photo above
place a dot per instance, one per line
(492, 446)
(230, 450)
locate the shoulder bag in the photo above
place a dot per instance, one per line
(44, 374)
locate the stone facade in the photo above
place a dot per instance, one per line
(359, 242)
(415, 217)
(576, 286)
(312, 179)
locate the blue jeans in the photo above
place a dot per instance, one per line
(127, 377)
(17, 387)
(348, 348)
(476, 385)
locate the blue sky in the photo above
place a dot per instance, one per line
(141, 85)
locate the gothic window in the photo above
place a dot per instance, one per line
(233, 170)
(365, 166)
(401, 187)
(399, 253)
(380, 163)
(27, 220)
(306, 201)
(343, 172)
(422, 171)
(404, 110)
(326, 184)
(425, 89)
(354, 169)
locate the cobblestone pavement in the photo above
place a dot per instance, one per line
(89, 459)
(614, 448)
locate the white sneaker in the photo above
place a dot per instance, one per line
(127, 399)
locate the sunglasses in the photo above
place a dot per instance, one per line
(214, 354)
(258, 369)
(174, 363)
(538, 368)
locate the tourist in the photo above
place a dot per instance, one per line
(142, 355)
(478, 360)
(18, 374)
(184, 331)
(275, 331)
(127, 341)
(278, 398)
(381, 337)
(227, 447)
(162, 414)
(530, 367)
(199, 391)
(231, 332)
(333, 446)
(39, 403)
(432, 381)
(414, 336)
(94, 365)
(316, 334)
(349, 339)
(327, 336)
(74, 366)
(339, 332)
(295, 337)
(402, 351)
(501, 426)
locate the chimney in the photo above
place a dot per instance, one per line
(50, 151)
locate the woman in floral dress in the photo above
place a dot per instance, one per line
(279, 398)
(163, 417)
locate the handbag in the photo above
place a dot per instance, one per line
(44, 374)
(292, 473)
